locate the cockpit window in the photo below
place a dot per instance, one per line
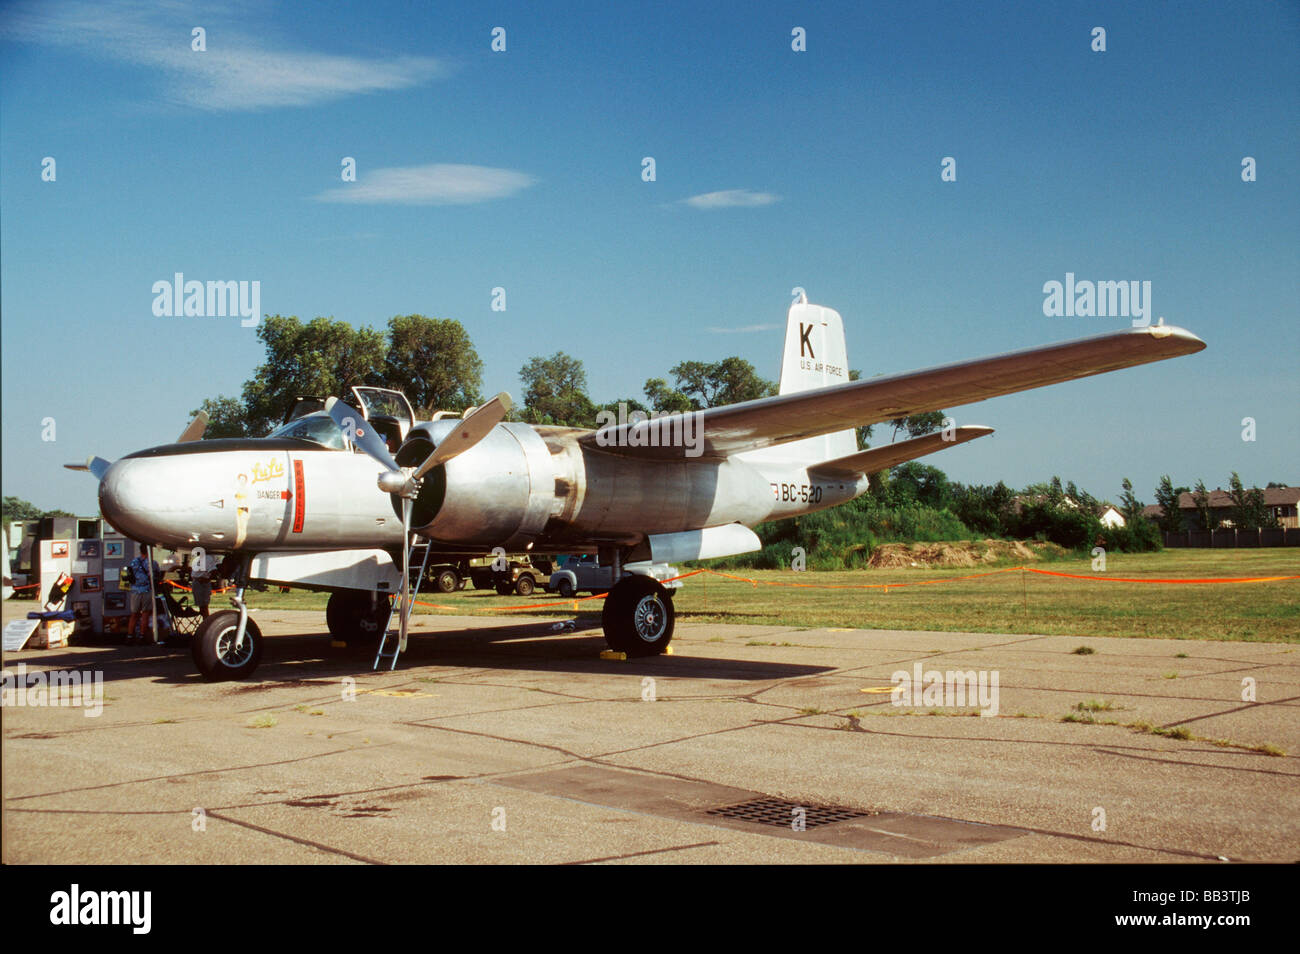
(317, 428)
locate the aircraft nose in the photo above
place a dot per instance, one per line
(123, 502)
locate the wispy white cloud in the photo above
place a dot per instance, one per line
(743, 329)
(436, 184)
(731, 199)
(236, 72)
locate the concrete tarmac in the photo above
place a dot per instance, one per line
(497, 740)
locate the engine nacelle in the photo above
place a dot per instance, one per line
(500, 492)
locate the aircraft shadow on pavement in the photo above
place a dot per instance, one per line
(513, 647)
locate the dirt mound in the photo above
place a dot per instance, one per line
(959, 553)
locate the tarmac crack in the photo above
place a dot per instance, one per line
(642, 854)
(306, 842)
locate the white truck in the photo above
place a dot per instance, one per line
(586, 573)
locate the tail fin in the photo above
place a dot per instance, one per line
(814, 357)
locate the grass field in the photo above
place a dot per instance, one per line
(1009, 602)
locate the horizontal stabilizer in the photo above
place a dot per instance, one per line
(882, 458)
(194, 430)
(96, 465)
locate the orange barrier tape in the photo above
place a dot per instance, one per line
(872, 586)
(181, 586)
(1125, 579)
(573, 602)
(506, 609)
(856, 586)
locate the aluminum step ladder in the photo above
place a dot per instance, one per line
(390, 643)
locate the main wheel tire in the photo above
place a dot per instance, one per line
(524, 586)
(350, 617)
(213, 647)
(447, 581)
(565, 588)
(638, 617)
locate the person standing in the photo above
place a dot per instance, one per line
(143, 572)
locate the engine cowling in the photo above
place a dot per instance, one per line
(498, 493)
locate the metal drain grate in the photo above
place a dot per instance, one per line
(783, 814)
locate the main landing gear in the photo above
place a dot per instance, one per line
(355, 615)
(638, 617)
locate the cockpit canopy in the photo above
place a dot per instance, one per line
(317, 427)
(388, 412)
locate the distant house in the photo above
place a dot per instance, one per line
(1105, 512)
(1282, 502)
(1110, 517)
(1021, 501)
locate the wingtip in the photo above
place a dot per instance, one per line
(1190, 342)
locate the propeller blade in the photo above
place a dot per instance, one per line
(359, 432)
(96, 465)
(476, 426)
(404, 619)
(194, 430)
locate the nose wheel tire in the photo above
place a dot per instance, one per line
(638, 617)
(214, 650)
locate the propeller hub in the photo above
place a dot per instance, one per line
(395, 482)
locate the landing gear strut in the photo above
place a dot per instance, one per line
(638, 617)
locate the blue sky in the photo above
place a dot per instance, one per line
(225, 165)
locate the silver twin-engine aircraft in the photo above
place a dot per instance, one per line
(303, 506)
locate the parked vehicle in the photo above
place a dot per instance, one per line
(483, 574)
(522, 577)
(441, 575)
(586, 574)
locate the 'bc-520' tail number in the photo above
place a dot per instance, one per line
(797, 493)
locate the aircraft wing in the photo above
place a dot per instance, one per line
(735, 428)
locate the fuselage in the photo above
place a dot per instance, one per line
(520, 486)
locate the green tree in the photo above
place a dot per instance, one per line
(1204, 515)
(918, 425)
(1248, 511)
(323, 357)
(922, 483)
(432, 361)
(713, 384)
(1171, 520)
(631, 404)
(15, 508)
(986, 510)
(1129, 505)
(555, 392)
(226, 417)
(664, 398)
